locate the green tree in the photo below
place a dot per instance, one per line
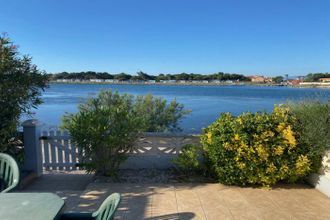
(21, 84)
(314, 77)
(122, 77)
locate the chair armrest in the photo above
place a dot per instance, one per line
(77, 215)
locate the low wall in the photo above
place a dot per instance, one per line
(321, 180)
(325, 170)
(152, 150)
(156, 150)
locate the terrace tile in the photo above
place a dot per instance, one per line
(191, 201)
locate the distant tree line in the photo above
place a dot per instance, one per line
(142, 76)
(313, 77)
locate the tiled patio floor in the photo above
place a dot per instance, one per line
(199, 201)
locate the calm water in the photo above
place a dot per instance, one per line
(206, 102)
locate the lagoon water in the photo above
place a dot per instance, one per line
(206, 102)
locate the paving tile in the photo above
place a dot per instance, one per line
(164, 201)
(274, 214)
(189, 201)
(233, 199)
(257, 198)
(246, 213)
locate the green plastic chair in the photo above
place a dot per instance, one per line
(105, 212)
(9, 173)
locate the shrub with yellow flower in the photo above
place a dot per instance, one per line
(255, 148)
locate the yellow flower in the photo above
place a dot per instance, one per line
(280, 127)
(268, 134)
(302, 164)
(227, 146)
(262, 153)
(240, 121)
(241, 165)
(209, 137)
(284, 169)
(288, 134)
(237, 137)
(271, 168)
(243, 144)
(279, 150)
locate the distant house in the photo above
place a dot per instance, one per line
(151, 81)
(96, 80)
(324, 80)
(169, 81)
(64, 80)
(268, 79)
(301, 78)
(294, 82)
(109, 80)
(257, 79)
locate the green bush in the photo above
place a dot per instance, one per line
(106, 127)
(21, 84)
(189, 160)
(313, 122)
(258, 148)
(158, 115)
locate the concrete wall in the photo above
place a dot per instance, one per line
(157, 150)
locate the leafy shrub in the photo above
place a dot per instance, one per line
(21, 84)
(106, 127)
(258, 148)
(313, 122)
(158, 115)
(189, 160)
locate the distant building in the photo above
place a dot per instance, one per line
(109, 80)
(257, 79)
(294, 82)
(324, 80)
(301, 78)
(96, 80)
(64, 80)
(169, 81)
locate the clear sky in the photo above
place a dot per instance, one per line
(271, 37)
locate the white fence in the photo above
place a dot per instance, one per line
(150, 151)
(53, 150)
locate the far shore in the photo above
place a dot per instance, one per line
(305, 85)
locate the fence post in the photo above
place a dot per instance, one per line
(32, 149)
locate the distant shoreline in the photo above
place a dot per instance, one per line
(327, 86)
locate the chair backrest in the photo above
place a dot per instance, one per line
(108, 208)
(9, 172)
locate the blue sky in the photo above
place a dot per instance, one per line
(172, 36)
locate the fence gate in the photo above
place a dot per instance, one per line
(58, 152)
